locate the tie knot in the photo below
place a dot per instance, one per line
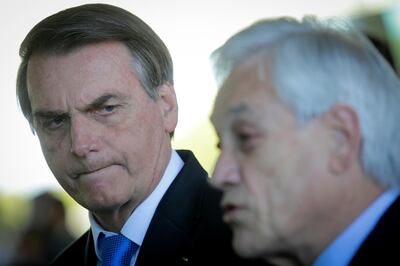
(116, 250)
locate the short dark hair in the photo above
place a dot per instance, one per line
(92, 23)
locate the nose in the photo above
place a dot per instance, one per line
(226, 171)
(83, 136)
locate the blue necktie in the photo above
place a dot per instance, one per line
(116, 250)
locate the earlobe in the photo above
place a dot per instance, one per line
(168, 106)
(346, 137)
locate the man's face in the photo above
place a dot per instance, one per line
(105, 140)
(270, 168)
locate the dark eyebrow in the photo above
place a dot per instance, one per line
(48, 114)
(231, 115)
(100, 101)
(97, 103)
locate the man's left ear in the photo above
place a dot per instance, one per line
(346, 137)
(168, 106)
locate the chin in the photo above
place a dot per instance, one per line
(105, 203)
(245, 251)
(245, 248)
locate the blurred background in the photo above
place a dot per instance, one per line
(191, 30)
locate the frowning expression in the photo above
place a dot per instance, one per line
(102, 136)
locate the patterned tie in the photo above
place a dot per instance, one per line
(116, 250)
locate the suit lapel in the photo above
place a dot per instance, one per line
(164, 244)
(168, 238)
(90, 253)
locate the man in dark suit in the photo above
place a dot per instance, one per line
(183, 231)
(308, 121)
(96, 86)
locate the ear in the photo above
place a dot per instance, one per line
(343, 123)
(168, 106)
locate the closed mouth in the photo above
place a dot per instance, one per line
(89, 172)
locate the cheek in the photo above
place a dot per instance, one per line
(277, 183)
(141, 125)
(55, 154)
(137, 141)
(135, 137)
(261, 186)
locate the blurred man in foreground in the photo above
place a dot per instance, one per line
(308, 122)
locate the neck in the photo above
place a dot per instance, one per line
(353, 200)
(114, 220)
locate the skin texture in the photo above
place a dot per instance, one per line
(281, 180)
(105, 140)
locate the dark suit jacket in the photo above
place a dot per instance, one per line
(186, 229)
(381, 247)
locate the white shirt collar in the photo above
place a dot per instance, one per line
(136, 226)
(344, 247)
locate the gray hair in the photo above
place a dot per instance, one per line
(92, 23)
(315, 67)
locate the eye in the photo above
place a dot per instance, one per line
(107, 109)
(243, 137)
(53, 123)
(245, 141)
(246, 138)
